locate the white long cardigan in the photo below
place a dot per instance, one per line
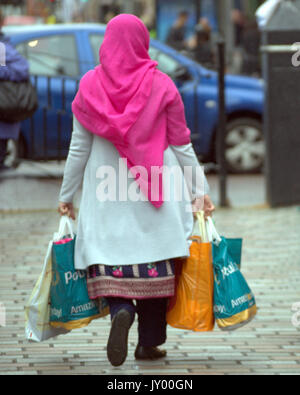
(115, 232)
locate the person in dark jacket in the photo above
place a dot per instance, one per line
(251, 43)
(201, 45)
(15, 69)
(176, 36)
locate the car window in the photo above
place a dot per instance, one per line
(166, 63)
(52, 55)
(96, 40)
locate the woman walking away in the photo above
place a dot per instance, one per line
(129, 130)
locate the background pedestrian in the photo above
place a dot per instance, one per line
(16, 69)
(176, 35)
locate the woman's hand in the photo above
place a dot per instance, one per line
(66, 209)
(209, 207)
(204, 204)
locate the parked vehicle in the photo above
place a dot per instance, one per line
(60, 54)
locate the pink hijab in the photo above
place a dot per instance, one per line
(112, 97)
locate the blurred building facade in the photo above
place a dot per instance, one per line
(103, 10)
(233, 19)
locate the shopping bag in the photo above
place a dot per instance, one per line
(37, 309)
(191, 307)
(234, 302)
(234, 245)
(71, 307)
(235, 250)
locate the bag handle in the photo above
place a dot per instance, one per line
(64, 221)
(213, 235)
(202, 226)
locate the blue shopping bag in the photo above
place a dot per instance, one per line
(70, 305)
(234, 302)
(234, 246)
(235, 250)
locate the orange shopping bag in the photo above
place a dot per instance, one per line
(192, 306)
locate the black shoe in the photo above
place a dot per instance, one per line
(118, 338)
(150, 353)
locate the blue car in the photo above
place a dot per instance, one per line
(59, 55)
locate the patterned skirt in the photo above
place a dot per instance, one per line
(144, 281)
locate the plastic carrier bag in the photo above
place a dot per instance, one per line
(192, 305)
(234, 245)
(71, 307)
(234, 302)
(37, 309)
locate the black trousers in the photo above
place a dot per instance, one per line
(3, 149)
(152, 325)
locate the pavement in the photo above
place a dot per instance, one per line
(269, 345)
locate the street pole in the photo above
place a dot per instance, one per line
(198, 6)
(225, 25)
(221, 133)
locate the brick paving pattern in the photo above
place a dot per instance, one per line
(268, 345)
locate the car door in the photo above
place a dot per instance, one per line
(95, 40)
(55, 69)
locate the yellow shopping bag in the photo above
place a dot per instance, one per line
(192, 306)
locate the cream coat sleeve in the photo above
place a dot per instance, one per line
(79, 152)
(193, 172)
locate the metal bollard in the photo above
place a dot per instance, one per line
(221, 160)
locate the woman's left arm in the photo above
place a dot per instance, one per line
(79, 152)
(179, 138)
(198, 186)
(195, 178)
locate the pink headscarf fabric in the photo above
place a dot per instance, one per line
(113, 100)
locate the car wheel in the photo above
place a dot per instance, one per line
(245, 146)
